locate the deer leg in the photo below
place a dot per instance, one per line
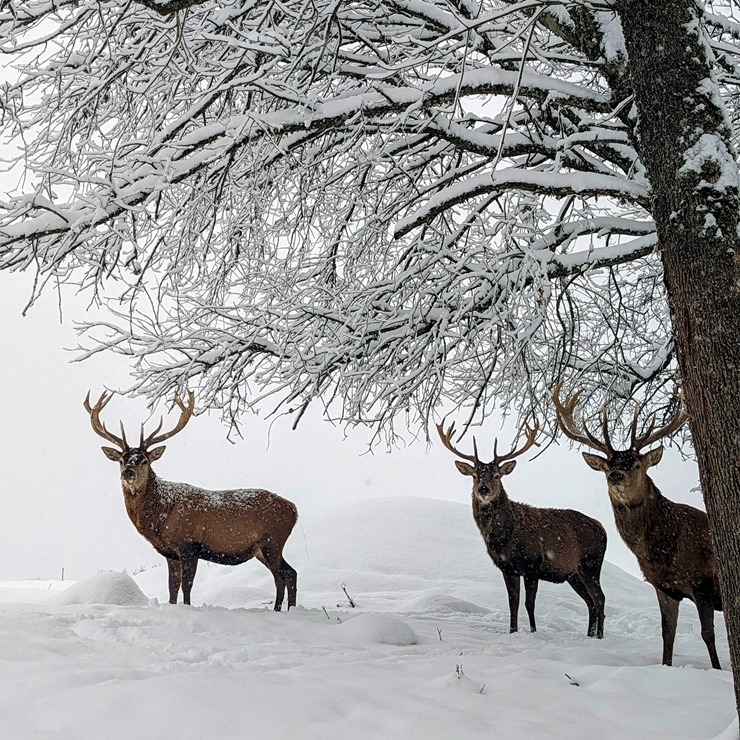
(279, 587)
(189, 563)
(530, 595)
(512, 589)
(705, 607)
(282, 575)
(576, 583)
(175, 578)
(591, 583)
(597, 596)
(290, 577)
(668, 621)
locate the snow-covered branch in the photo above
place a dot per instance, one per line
(380, 205)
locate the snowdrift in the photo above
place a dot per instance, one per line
(424, 653)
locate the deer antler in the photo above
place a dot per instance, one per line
(649, 436)
(531, 436)
(98, 426)
(185, 413)
(564, 413)
(446, 441)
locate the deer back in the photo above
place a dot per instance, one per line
(228, 522)
(554, 541)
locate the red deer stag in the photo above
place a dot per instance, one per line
(671, 541)
(553, 545)
(185, 523)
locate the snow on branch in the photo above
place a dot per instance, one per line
(557, 185)
(379, 207)
(169, 6)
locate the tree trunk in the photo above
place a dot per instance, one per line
(684, 143)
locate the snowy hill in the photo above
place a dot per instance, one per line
(424, 654)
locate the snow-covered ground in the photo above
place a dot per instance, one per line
(424, 654)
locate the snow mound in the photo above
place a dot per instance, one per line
(443, 603)
(417, 659)
(459, 682)
(398, 538)
(379, 628)
(118, 589)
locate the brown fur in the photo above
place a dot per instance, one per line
(553, 545)
(186, 523)
(671, 541)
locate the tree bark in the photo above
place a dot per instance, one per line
(684, 142)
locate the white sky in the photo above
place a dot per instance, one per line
(62, 505)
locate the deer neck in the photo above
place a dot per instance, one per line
(495, 519)
(637, 520)
(146, 506)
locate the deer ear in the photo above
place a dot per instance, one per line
(652, 457)
(507, 467)
(596, 462)
(464, 468)
(156, 453)
(111, 453)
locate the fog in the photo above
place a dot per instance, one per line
(62, 506)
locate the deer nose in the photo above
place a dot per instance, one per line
(615, 476)
(128, 474)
